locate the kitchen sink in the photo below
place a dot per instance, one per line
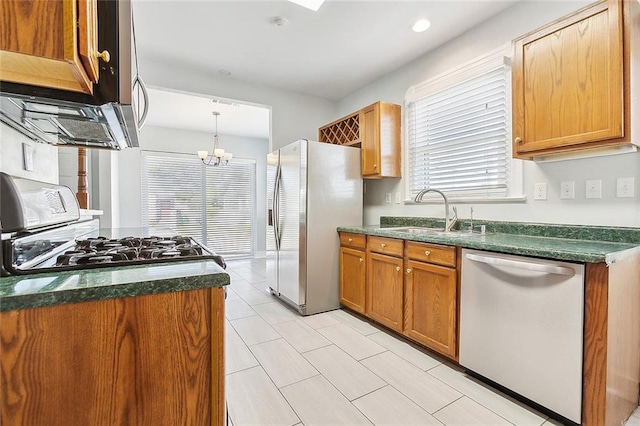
(417, 230)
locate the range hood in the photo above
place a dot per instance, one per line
(109, 118)
(108, 126)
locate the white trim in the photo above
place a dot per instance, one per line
(459, 74)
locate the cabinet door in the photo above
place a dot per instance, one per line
(145, 360)
(352, 279)
(568, 82)
(430, 306)
(88, 37)
(41, 44)
(385, 290)
(370, 136)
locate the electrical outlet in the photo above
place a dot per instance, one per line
(567, 190)
(593, 188)
(540, 191)
(398, 198)
(387, 198)
(625, 188)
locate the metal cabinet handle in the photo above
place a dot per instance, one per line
(350, 240)
(383, 245)
(408, 270)
(104, 55)
(375, 166)
(361, 260)
(427, 252)
(397, 268)
(517, 140)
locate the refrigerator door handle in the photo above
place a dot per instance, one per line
(276, 209)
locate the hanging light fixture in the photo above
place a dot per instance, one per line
(218, 156)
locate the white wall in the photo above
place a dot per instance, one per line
(162, 139)
(523, 17)
(293, 116)
(45, 157)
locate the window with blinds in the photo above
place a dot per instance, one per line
(214, 205)
(458, 134)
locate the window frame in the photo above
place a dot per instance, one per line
(448, 79)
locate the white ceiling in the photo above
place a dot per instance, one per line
(329, 53)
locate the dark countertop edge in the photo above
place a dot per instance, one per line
(474, 243)
(90, 294)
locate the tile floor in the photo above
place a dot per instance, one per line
(337, 369)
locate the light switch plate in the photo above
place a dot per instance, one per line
(567, 190)
(27, 157)
(593, 188)
(540, 191)
(387, 198)
(398, 198)
(625, 187)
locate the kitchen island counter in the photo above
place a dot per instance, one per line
(82, 285)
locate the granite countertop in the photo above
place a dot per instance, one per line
(571, 243)
(83, 285)
(31, 291)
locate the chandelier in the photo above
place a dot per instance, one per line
(218, 156)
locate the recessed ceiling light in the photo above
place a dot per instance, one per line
(421, 25)
(225, 72)
(309, 4)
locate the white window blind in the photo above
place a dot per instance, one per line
(458, 134)
(214, 205)
(230, 195)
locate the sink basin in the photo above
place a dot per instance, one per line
(432, 231)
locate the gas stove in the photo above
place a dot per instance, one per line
(42, 232)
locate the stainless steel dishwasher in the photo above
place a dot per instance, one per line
(521, 326)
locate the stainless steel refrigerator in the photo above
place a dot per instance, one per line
(312, 188)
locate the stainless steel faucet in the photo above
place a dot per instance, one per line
(448, 223)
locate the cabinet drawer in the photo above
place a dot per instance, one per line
(353, 240)
(390, 246)
(431, 253)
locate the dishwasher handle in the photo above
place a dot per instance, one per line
(549, 269)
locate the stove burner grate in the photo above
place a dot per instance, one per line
(132, 250)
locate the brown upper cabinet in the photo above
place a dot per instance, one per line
(51, 44)
(571, 81)
(376, 129)
(380, 136)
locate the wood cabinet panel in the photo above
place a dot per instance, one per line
(431, 306)
(137, 361)
(352, 279)
(380, 135)
(370, 137)
(431, 253)
(358, 241)
(570, 83)
(385, 290)
(40, 43)
(390, 246)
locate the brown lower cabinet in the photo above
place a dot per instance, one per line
(430, 310)
(409, 287)
(385, 291)
(353, 271)
(145, 360)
